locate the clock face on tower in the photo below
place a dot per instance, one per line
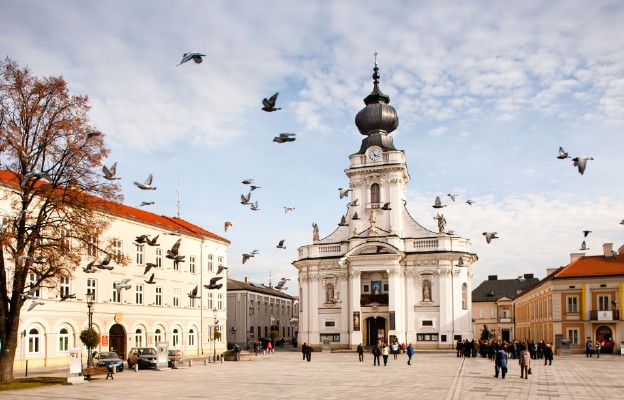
(374, 154)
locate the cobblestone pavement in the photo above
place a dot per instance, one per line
(284, 375)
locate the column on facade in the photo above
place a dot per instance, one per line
(587, 305)
(355, 288)
(344, 309)
(396, 303)
(410, 302)
(448, 298)
(304, 307)
(314, 294)
(396, 202)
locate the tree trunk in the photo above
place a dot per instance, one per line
(9, 347)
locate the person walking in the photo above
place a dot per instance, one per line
(410, 353)
(588, 348)
(385, 351)
(270, 347)
(395, 349)
(500, 362)
(256, 347)
(524, 359)
(597, 349)
(360, 351)
(304, 350)
(309, 351)
(460, 348)
(376, 354)
(548, 354)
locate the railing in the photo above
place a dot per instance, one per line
(422, 244)
(370, 299)
(611, 315)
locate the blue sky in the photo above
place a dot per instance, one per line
(486, 92)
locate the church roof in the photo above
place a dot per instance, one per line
(494, 289)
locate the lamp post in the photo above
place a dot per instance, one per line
(214, 329)
(90, 301)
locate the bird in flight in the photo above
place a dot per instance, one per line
(141, 239)
(344, 192)
(213, 283)
(247, 181)
(354, 203)
(268, 105)
(151, 280)
(254, 206)
(89, 268)
(281, 244)
(585, 233)
(489, 236)
(37, 175)
(343, 221)
(286, 209)
(220, 269)
(149, 266)
(105, 262)
(469, 202)
(124, 284)
(562, 154)
(152, 242)
(147, 185)
(146, 203)
(246, 257)
(386, 207)
(109, 173)
(581, 162)
(35, 304)
(285, 137)
(197, 57)
(452, 196)
(438, 203)
(252, 187)
(67, 296)
(227, 225)
(171, 254)
(355, 217)
(193, 293)
(245, 199)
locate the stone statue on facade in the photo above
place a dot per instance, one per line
(426, 291)
(372, 218)
(330, 294)
(441, 223)
(315, 232)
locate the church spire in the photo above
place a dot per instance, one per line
(376, 95)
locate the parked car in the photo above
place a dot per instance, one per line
(174, 358)
(108, 359)
(144, 357)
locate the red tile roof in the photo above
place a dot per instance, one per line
(588, 266)
(161, 221)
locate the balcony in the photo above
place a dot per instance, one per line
(611, 315)
(367, 300)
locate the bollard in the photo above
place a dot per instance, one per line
(190, 363)
(136, 367)
(26, 367)
(223, 358)
(205, 361)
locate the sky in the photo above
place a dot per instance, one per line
(486, 92)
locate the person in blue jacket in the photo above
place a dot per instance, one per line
(410, 353)
(500, 362)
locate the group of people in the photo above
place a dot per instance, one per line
(488, 348)
(597, 346)
(306, 350)
(501, 358)
(381, 349)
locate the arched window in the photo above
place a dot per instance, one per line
(374, 193)
(63, 340)
(464, 296)
(158, 335)
(34, 340)
(191, 338)
(138, 338)
(176, 337)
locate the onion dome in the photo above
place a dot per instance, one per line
(377, 119)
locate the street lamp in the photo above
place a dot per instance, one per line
(90, 301)
(214, 329)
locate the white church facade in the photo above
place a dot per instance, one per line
(381, 275)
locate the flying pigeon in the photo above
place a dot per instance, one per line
(450, 233)
(215, 279)
(489, 236)
(355, 217)
(105, 262)
(581, 162)
(151, 280)
(281, 244)
(220, 269)
(124, 284)
(285, 137)
(35, 304)
(92, 134)
(562, 154)
(344, 192)
(622, 223)
(197, 57)
(174, 250)
(286, 209)
(152, 242)
(252, 187)
(109, 173)
(354, 203)
(438, 203)
(248, 181)
(268, 105)
(37, 175)
(254, 206)
(89, 268)
(177, 260)
(141, 239)
(227, 225)
(246, 257)
(245, 199)
(452, 196)
(174, 233)
(386, 207)
(68, 296)
(584, 246)
(585, 233)
(146, 203)
(214, 286)
(149, 266)
(147, 185)
(343, 221)
(193, 293)
(30, 260)
(469, 202)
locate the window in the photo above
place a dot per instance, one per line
(366, 289)
(116, 294)
(492, 312)
(192, 302)
(34, 339)
(386, 288)
(573, 335)
(603, 303)
(138, 338)
(505, 312)
(176, 266)
(258, 307)
(209, 264)
(251, 307)
(159, 295)
(117, 250)
(139, 254)
(65, 240)
(480, 312)
(464, 297)
(158, 335)
(63, 340)
(191, 337)
(572, 304)
(210, 301)
(63, 285)
(427, 337)
(176, 297)
(92, 244)
(138, 295)
(91, 285)
(427, 323)
(32, 280)
(220, 301)
(330, 323)
(220, 261)
(176, 337)
(159, 258)
(374, 193)
(192, 264)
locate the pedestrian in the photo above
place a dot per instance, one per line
(270, 347)
(360, 351)
(588, 348)
(410, 353)
(500, 362)
(395, 349)
(237, 350)
(385, 352)
(524, 359)
(256, 347)
(304, 350)
(597, 349)
(309, 351)
(376, 354)
(548, 354)
(460, 348)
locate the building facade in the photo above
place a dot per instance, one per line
(381, 275)
(149, 310)
(254, 310)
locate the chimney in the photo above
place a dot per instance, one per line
(492, 277)
(576, 256)
(550, 271)
(607, 250)
(246, 279)
(528, 276)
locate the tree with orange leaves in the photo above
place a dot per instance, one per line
(50, 156)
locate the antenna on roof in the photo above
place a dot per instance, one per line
(178, 191)
(270, 284)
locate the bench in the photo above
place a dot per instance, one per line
(89, 372)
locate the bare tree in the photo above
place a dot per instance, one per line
(50, 157)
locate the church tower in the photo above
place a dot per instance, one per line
(380, 275)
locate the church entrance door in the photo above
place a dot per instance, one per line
(375, 329)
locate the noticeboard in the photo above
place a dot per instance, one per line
(162, 348)
(75, 361)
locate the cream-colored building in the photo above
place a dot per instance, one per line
(145, 313)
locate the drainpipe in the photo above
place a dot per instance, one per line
(201, 301)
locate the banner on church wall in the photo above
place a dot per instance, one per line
(392, 324)
(356, 321)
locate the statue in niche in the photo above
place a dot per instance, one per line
(426, 290)
(372, 218)
(315, 232)
(330, 294)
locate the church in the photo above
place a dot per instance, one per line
(381, 275)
